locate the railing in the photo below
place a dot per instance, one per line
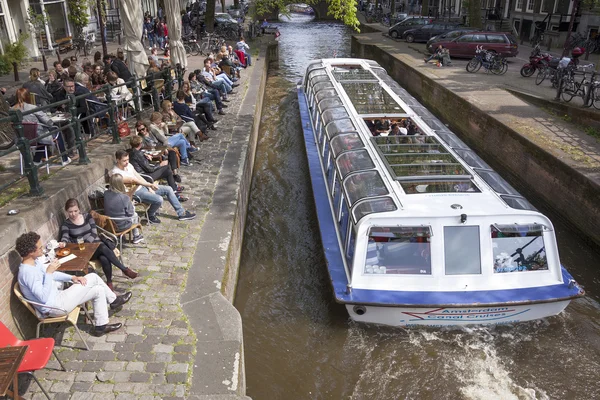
(112, 106)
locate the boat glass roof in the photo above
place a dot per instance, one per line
(364, 184)
(370, 206)
(356, 160)
(371, 98)
(345, 142)
(417, 187)
(352, 73)
(325, 94)
(334, 114)
(329, 103)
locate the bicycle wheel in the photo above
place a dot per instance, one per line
(541, 76)
(196, 49)
(568, 91)
(204, 48)
(188, 50)
(596, 97)
(474, 65)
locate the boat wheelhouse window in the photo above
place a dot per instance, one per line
(357, 160)
(345, 142)
(428, 169)
(399, 250)
(496, 182)
(371, 206)
(417, 187)
(472, 159)
(336, 127)
(371, 98)
(364, 184)
(518, 248)
(461, 250)
(517, 202)
(334, 114)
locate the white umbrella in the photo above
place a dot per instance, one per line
(132, 19)
(173, 14)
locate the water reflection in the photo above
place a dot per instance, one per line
(300, 344)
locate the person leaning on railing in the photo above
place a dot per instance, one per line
(43, 126)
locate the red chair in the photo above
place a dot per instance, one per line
(242, 57)
(37, 355)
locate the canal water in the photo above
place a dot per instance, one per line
(300, 344)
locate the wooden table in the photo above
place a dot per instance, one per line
(79, 264)
(10, 359)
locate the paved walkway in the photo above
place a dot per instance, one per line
(152, 356)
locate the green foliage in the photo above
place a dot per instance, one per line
(14, 52)
(78, 16)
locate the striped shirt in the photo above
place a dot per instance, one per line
(69, 232)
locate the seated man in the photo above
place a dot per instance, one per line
(140, 162)
(211, 80)
(40, 284)
(149, 193)
(243, 47)
(183, 110)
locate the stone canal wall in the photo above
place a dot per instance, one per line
(569, 192)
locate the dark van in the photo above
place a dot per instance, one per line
(397, 30)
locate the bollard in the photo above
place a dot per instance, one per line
(16, 70)
(549, 44)
(113, 118)
(79, 142)
(58, 54)
(24, 147)
(119, 38)
(45, 62)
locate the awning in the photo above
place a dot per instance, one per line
(173, 14)
(131, 18)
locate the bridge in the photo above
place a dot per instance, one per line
(320, 8)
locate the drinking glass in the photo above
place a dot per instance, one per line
(81, 243)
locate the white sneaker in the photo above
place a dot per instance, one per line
(64, 163)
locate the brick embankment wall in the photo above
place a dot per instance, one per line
(43, 215)
(567, 191)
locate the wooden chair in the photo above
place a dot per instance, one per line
(37, 355)
(227, 70)
(107, 226)
(30, 133)
(71, 317)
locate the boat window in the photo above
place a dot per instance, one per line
(429, 170)
(518, 248)
(461, 250)
(352, 73)
(311, 69)
(472, 159)
(364, 184)
(498, 184)
(319, 79)
(420, 158)
(326, 93)
(323, 86)
(334, 114)
(329, 103)
(371, 98)
(336, 127)
(518, 202)
(346, 141)
(434, 123)
(403, 140)
(357, 160)
(411, 148)
(371, 206)
(452, 140)
(399, 250)
(416, 187)
(317, 72)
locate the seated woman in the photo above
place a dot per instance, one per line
(53, 85)
(117, 204)
(97, 79)
(22, 98)
(160, 130)
(189, 129)
(119, 93)
(83, 225)
(148, 142)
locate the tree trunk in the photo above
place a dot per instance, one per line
(570, 31)
(425, 7)
(475, 14)
(223, 9)
(236, 4)
(392, 10)
(209, 16)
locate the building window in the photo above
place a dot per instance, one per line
(530, 5)
(519, 5)
(548, 6)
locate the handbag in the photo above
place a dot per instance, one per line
(124, 129)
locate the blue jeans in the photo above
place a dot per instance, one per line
(249, 59)
(213, 94)
(151, 39)
(227, 86)
(179, 141)
(225, 78)
(155, 199)
(221, 87)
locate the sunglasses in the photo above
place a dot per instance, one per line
(141, 129)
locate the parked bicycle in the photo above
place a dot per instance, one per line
(571, 87)
(191, 45)
(211, 42)
(491, 61)
(85, 44)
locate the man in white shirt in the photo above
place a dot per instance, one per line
(149, 193)
(243, 46)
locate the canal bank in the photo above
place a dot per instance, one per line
(548, 158)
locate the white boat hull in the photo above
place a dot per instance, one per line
(449, 316)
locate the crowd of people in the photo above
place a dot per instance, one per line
(160, 145)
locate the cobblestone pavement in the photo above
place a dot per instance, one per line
(151, 357)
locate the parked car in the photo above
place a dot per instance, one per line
(409, 23)
(464, 46)
(425, 32)
(224, 18)
(431, 43)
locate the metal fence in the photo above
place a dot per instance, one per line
(111, 112)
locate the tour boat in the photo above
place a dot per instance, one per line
(416, 228)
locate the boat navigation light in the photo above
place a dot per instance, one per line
(463, 218)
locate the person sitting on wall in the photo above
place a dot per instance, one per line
(38, 283)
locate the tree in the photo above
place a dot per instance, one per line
(474, 9)
(342, 10)
(209, 16)
(78, 16)
(38, 23)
